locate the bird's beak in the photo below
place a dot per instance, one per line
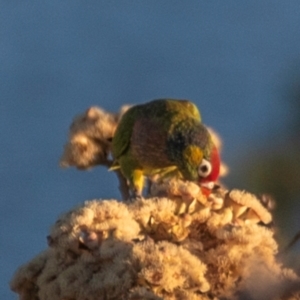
(206, 187)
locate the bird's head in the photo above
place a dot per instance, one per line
(209, 170)
(202, 166)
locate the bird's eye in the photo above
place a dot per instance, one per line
(204, 168)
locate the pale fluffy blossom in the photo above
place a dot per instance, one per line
(151, 249)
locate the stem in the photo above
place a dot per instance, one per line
(292, 242)
(123, 186)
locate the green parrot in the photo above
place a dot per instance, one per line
(164, 137)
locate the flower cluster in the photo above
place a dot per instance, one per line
(175, 247)
(90, 136)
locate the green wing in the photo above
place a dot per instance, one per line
(168, 112)
(184, 108)
(121, 139)
(164, 112)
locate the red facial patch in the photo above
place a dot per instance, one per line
(215, 165)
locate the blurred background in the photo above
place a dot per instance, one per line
(239, 61)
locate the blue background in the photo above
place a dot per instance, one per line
(57, 58)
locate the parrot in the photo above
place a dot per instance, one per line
(164, 137)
